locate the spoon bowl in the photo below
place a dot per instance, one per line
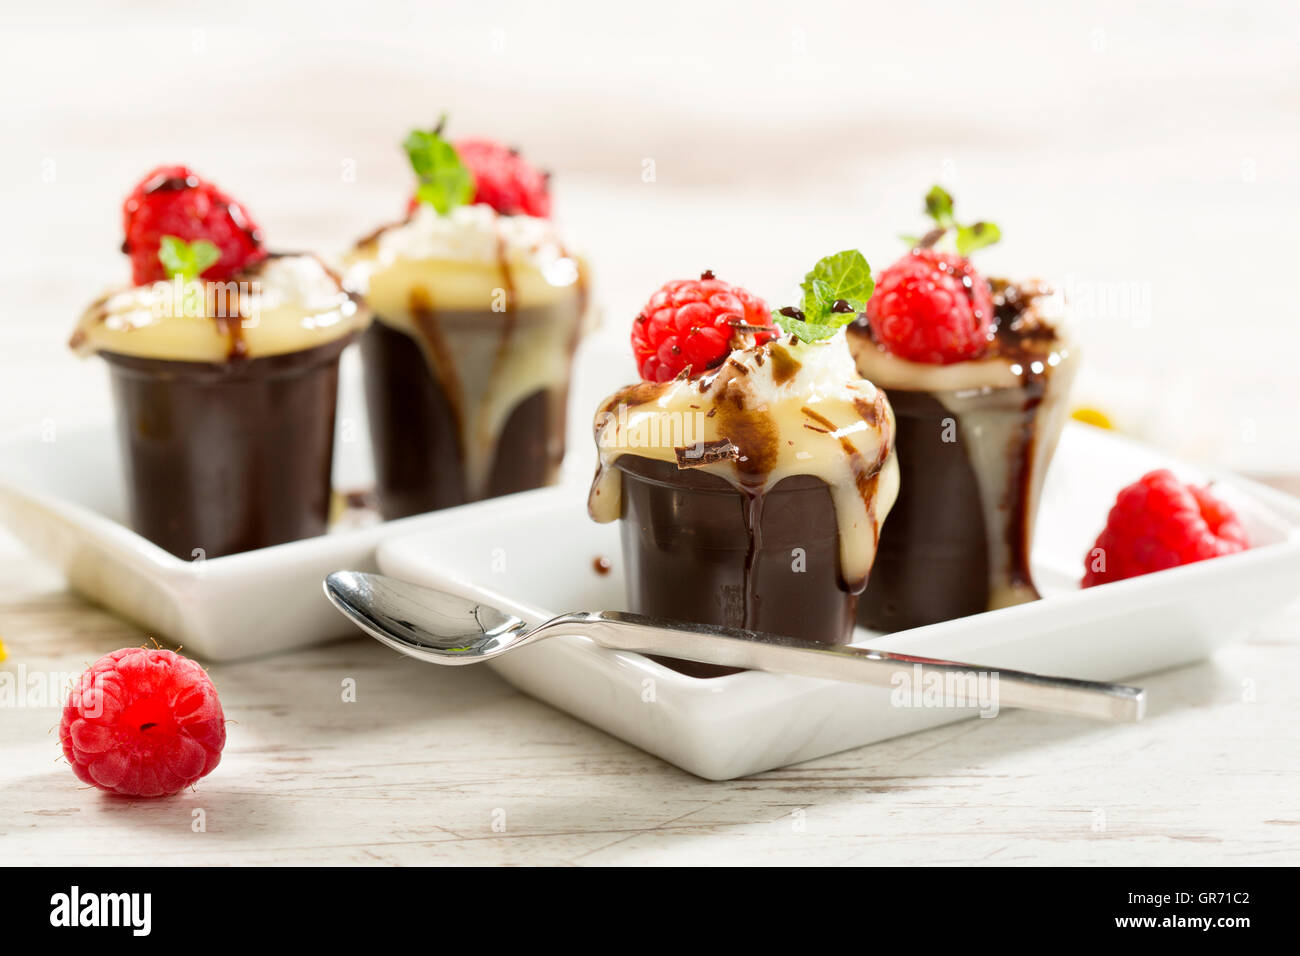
(429, 625)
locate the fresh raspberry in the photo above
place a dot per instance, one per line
(173, 201)
(505, 180)
(932, 307)
(694, 323)
(143, 723)
(1158, 522)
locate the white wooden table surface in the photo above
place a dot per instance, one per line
(1121, 149)
(431, 766)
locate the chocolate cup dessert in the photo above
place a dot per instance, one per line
(414, 429)
(974, 441)
(753, 497)
(417, 427)
(222, 458)
(225, 415)
(467, 365)
(690, 555)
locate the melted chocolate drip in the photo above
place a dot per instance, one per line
(531, 440)
(933, 560)
(784, 365)
(697, 548)
(751, 440)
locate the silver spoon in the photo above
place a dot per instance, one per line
(442, 628)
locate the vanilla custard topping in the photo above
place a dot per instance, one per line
(495, 303)
(768, 413)
(466, 259)
(1008, 408)
(283, 304)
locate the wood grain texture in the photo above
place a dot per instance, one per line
(427, 765)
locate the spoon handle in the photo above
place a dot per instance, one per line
(916, 677)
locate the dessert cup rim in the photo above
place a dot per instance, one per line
(260, 366)
(704, 482)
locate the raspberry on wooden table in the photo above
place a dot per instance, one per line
(143, 722)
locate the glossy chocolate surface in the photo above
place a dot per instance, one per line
(227, 457)
(932, 563)
(415, 429)
(958, 540)
(689, 555)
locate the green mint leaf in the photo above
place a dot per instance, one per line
(802, 329)
(938, 206)
(189, 260)
(817, 299)
(844, 275)
(976, 236)
(834, 292)
(444, 181)
(952, 234)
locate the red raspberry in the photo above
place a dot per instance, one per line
(694, 323)
(173, 201)
(505, 180)
(143, 723)
(932, 307)
(1158, 522)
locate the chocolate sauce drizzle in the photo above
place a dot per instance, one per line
(750, 440)
(441, 354)
(1025, 339)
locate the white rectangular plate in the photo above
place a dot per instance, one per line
(534, 554)
(64, 500)
(62, 494)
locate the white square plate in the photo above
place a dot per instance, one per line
(534, 554)
(241, 605)
(62, 494)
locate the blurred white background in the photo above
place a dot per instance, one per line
(1144, 155)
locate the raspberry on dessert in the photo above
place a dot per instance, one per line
(505, 180)
(502, 179)
(173, 201)
(143, 722)
(1159, 522)
(932, 307)
(693, 324)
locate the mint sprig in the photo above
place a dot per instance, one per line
(966, 238)
(834, 293)
(445, 182)
(189, 260)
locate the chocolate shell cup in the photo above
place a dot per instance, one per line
(420, 427)
(227, 457)
(688, 555)
(932, 563)
(974, 443)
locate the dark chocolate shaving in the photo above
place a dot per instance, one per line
(706, 453)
